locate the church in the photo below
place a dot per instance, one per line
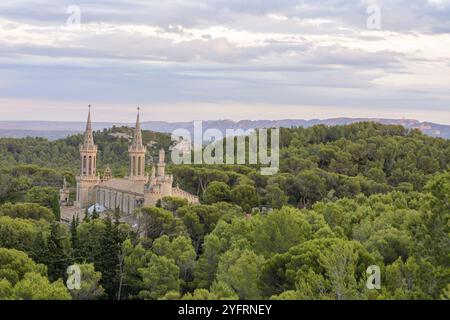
(137, 190)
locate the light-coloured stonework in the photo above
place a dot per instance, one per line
(137, 190)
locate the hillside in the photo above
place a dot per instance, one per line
(346, 197)
(315, 163)
(63, 153)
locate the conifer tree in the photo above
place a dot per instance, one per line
(117, 216)
(58, 259)
(74, 238)
(95, 214)
(86, 215)
(56, 208)
(109, 259)
(40, 249)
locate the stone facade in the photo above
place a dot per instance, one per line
(64, 194)
(127, 194)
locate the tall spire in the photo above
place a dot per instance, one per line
(137, 152)
(88, 134)
(137, 139)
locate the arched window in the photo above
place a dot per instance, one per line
(139, 166)
(83, 166)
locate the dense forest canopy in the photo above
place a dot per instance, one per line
(345, 198)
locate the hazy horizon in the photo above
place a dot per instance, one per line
(143, 120)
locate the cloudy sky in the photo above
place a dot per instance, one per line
(217, 59)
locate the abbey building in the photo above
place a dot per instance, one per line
(136, 190)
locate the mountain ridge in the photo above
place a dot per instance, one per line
(53, 130)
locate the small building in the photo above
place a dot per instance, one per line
(64, 194)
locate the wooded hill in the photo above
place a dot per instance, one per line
(346, 197)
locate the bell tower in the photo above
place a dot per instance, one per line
(87, 179)
(161, 163)
(137, 152)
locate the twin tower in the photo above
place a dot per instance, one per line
(89, 179)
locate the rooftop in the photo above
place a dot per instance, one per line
(124, 185)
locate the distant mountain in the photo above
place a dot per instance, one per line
(57, 130)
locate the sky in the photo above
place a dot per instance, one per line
(224, 59)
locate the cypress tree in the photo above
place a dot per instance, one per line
(40, 249)
(74, 238)
(56, 208)
(109, 259)
(58, 259)
(95, 214)
(117, 216)
(86, 215)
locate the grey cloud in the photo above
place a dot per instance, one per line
(123, 67)
(397, 15)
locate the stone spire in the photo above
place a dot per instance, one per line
(88, 151)
(87, 179)
(137, 139)
(161, 163)
(88, 142)
(162, 156)
(137, 152)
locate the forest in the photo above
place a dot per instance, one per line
(345, 198)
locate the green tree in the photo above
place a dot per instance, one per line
(338, 281)
(86, 215)
(90, 284)
(20, 233)
(437, 221)
(208, 262)
(56, 208)
(41, 195)
(26, 211)
(245, 196)
(216, 191)
(309, 266)
(275, 197)
(240, 270)
(14, 264)
(95, 214)
(159, 277)
(173, 203)
(219, 291)
(155, 222)
(180, 249)
(135, 258)
(280, 230)
(90, 236)
(74, 238)
(34, 286)
(108, 260)
(58, 258)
